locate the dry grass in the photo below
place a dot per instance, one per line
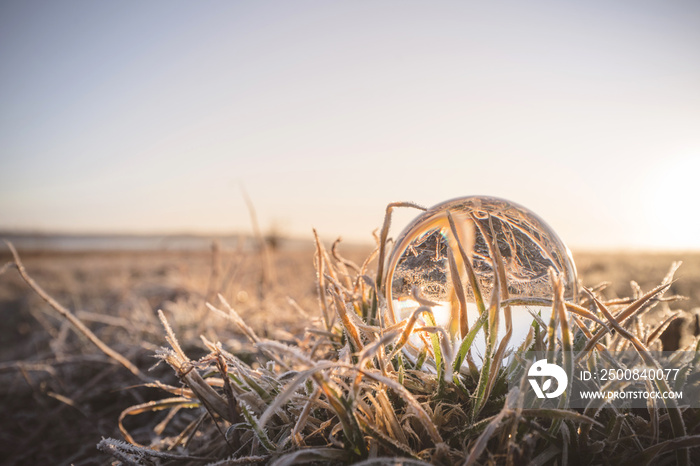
(44, 362)
(320, 378)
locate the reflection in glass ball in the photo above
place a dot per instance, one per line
(426, 257)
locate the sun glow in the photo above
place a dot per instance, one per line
(672, 191)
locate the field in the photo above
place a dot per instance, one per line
(61, 395)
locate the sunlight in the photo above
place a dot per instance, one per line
(671, 192)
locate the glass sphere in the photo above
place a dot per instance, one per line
(527, 247)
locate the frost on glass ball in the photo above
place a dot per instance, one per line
(527, 246)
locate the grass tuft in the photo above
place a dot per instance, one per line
(350, 389)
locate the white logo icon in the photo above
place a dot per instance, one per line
(542, 368)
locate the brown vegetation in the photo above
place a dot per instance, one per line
(61, 395)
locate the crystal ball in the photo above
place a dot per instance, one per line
(526, 246)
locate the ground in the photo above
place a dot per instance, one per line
(60, 395)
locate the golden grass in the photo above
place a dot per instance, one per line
(338, 389)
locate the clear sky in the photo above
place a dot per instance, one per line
(149, 116)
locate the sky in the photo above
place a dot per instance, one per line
(154, 116)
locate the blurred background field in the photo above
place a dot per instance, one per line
(60, 395)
